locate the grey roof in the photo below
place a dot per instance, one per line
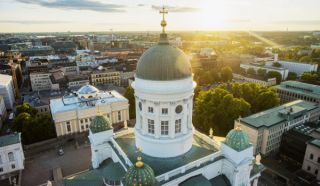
(163, 62)
(10, 139)
(196, 181)
(315, 142)
(279, 114)
(300, 88)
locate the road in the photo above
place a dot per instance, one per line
(38, 169)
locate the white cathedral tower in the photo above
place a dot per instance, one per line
(164, 95)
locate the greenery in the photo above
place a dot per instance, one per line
(226, 74)
(311, 77)
(34, 128)
(129, 94)
(262, 72)
(251, 71)
(212, 76)
(276, 64)
(218, 107)
(274, 74)
(306, 59)
(292, 76)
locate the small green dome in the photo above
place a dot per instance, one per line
(237, 139)
(99, 124)
(139, 174)
(163, 62)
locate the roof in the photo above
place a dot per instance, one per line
(279, 114)
(237, 140)
(99, 124)
(5, 79)
(108, 170)
(300, 88)
(163, 62)
(88, 89)
(315, 142)
(196, 181)
(10, 139)
(199, 150)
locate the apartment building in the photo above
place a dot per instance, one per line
(105, 76)
(311, 162)
(7, 90)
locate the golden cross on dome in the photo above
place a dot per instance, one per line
(139, 162)
(163, 11)
(98, 110)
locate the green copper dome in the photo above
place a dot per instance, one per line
(99, 124)
(139, 174)
(163, 62)
(237, 139)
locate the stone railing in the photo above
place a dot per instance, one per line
(207, 139)
(181, 170)
(123, 132)
(121, 153)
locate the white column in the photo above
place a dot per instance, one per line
(255, 182)
(171, 120)
(144, 118)
(138, 122)
(157, 119)
(190, 112)
(184, 119)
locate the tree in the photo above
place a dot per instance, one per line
(26, 107)
(251, 71)
(274, 74)
(276, 64)
(226, 74)
(292, 76)
(217, 109)
(129, 94)
(262, 72)
(310, 77)
(305, 59)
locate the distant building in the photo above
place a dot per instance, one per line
(77, 81)
(105, 76)
(3, 111)
(268, 83)
(11, 155)
(7, 90)
(293, 90)
(14, 70)
(265, 128)
(311, 162)
(296, 67)
(64, 47)
(73, 113)
(283, 71)
(40, 81)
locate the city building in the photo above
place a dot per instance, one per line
(11, 155)
(73, 113)
(269, 82)
(293, 90)
(283, 71)
(77, 81)
(311, 162)
(7, 90)
(265, 128)
(297, 67)
(103, 76)
(40, 81)
(3, 111)
(164, 148)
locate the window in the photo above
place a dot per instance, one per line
(11, 156)
(140, 106)
(86, 120)
(119, 116)
(316, 172)
(318, 159)
(311, 156)
(0, 156)
(150, 109)
(108, 115)
(151, 126)
(82, 127)
(179, 109)
(164, 128)
(81, 121)
(308, 168)
(1, 169)
(178, 126)
(68, 127)
(164, 111)
(13, 166)
(87, 126)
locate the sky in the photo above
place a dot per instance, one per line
(143, 15)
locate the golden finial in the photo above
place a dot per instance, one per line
(98, 110)
(163, 11)
(139, 162)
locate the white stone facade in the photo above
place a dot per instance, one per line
(7, 90)
(164, 116)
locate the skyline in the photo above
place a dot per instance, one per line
(143, 15)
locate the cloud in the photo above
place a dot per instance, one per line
(27, 22)
(76, 5)
(298, 22)
(179, 9)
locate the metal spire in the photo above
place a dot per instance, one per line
(163, 11)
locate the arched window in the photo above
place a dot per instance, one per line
(311, 156)
(11, 157)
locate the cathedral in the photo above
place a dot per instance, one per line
(164, 148)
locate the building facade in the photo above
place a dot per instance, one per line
(40, 81)
(11, 155)
(3, 111)
(73, 113)
(293, 90)
(100, 77)
(297, 67)
(283, 71)
(265, 128)
(311, 162)
(268, 83)
(7, 90)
